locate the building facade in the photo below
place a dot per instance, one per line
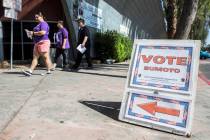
(135, 19)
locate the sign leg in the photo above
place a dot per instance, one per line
(11, 48)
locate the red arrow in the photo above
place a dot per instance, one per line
(152, 108)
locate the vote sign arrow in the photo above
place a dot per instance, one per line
(152, 108)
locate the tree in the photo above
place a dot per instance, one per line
(187, 19)
(201, 23)
(170, 7)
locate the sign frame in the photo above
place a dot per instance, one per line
(167, 93)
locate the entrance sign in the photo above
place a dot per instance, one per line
(161, 85)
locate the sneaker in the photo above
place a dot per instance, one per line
(27, 72)
(54, 66)
(49, 72)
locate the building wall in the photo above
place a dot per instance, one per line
(141, 18)
(138, 19)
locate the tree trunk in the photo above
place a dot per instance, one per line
(171, 18)
(186, 20)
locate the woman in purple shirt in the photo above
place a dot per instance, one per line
(41, 44)
(62, 44)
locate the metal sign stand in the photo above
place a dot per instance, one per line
(1, 44)
(11, 48)
(12, 7)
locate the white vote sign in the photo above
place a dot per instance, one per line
(163, 67)
(158, 110)
(161, 85)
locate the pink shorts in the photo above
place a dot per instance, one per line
(42, 46)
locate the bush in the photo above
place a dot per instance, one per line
(112, 45)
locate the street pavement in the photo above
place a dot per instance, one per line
(205, 70)
(80, 105)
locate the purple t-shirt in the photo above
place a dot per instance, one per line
(42, 26)
(60, 36)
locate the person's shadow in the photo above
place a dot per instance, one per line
(110, 109)
(14, 73)
(20, 73)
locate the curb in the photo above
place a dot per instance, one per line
(204, 78)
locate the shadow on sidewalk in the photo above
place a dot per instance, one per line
(19, 73)
(15, 73)
(110, 68)
(100, 74)
(124, 66)
(109, 109)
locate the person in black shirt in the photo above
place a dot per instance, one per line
(84, 40)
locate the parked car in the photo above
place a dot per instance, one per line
(204, 54)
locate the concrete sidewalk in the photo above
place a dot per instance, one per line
(82, 106)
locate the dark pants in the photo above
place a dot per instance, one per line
(79, 58)
(64, 53)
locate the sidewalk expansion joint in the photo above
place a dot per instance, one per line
(25, 102)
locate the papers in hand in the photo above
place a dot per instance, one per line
(29, 34)
(81, 49)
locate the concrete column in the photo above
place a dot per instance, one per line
(1, 43)
(68, 11)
